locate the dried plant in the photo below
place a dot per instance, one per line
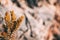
(11, 25)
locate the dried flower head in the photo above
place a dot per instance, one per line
(12, 25)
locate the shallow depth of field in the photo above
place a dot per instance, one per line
(29, 19)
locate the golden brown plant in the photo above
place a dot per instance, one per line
(12, 25)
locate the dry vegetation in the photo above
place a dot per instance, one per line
(29, 19)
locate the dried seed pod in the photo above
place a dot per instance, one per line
(19, 22)
(13, 16)
(7, 17)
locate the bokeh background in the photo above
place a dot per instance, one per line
(41, 19)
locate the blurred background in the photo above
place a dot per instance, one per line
(41, 19)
